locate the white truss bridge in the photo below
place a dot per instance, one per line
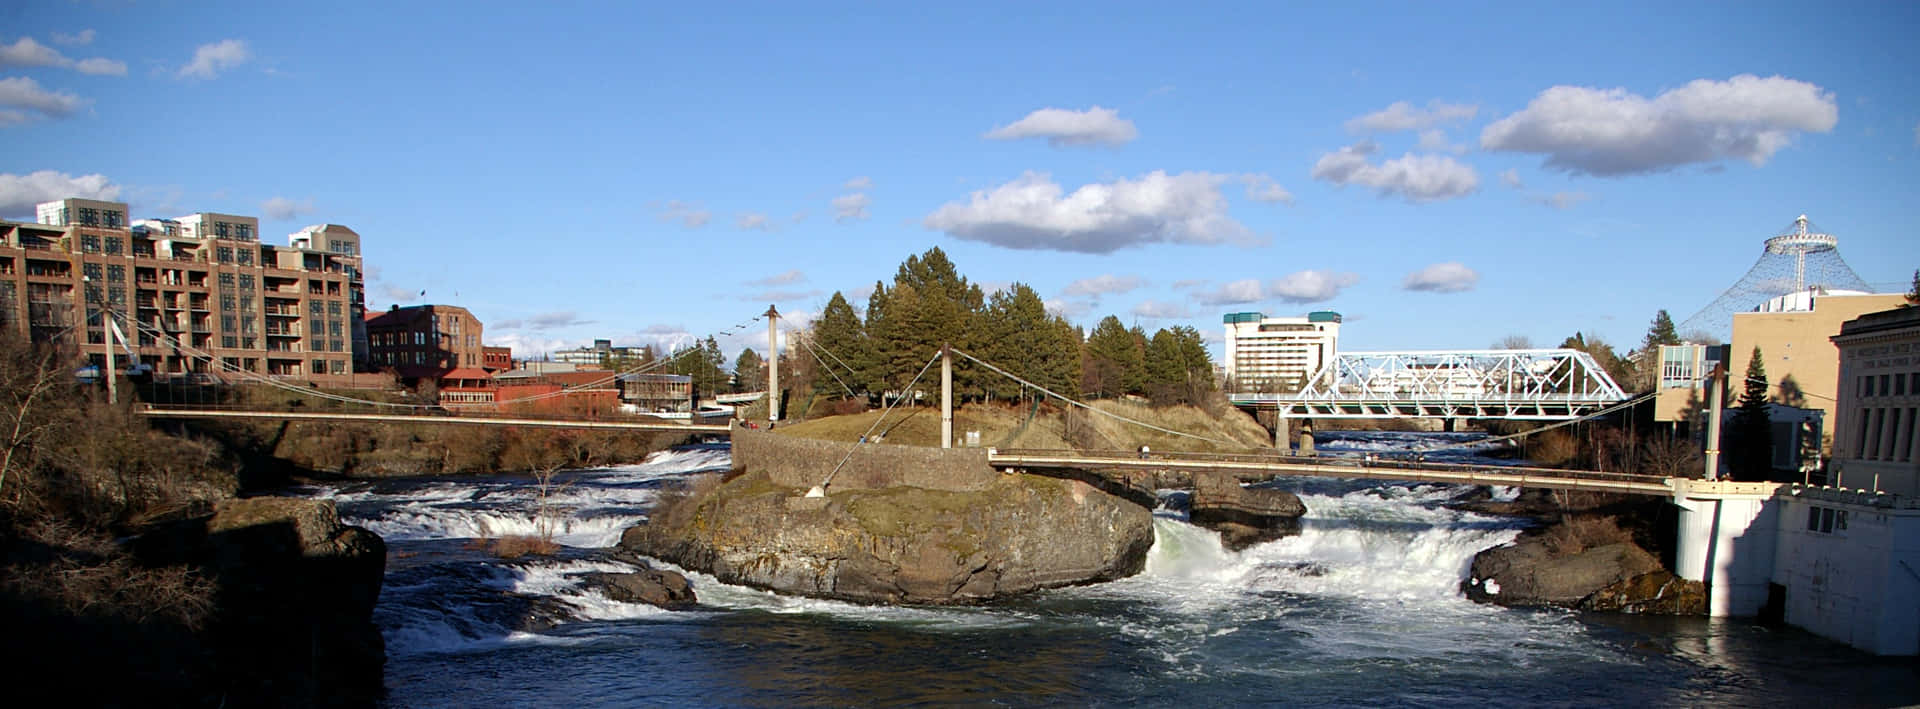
(1541, 385)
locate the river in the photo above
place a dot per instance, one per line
(1361, 609)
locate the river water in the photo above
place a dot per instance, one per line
(1361, 609)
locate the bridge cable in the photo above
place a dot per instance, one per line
(1602, 412)
(1049, 392)
(877, 421)
(811, 349)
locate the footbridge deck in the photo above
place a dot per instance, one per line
(1266, 466)
(457, 419)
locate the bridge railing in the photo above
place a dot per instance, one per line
(1331, 463)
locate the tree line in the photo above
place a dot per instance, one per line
(928, 304)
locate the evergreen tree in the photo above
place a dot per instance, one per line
(1621, 369)
(841, 339)
(876, 354)
(1021, 337)
(1913, 296)
(1115, 362)
(1647, 359)
(749, 372)
(1750, 445)
(1179, 370)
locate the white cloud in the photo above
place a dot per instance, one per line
(851, 207)
(780, 279)
(1563, 200)
(1061, 127)
(1402, 116)
(1448, 277)
(18, 193)
(1612, 132)
(283, 208)
(1434, 140)
(27, 53)
(1415, 178)
(1311, 286)
(781, 296)
(83, 37)
(211, 59)
(1161, 311)
(398, 294)
(1241, 292)
(1262, 188)
(1186, 283)
(1102, 285)
(529, 346)
(1033, 212)
(101, 66)
(690, 215)
(552, 320)
(859, 184)
(23, 94)
(753, 220)
(1511, 178)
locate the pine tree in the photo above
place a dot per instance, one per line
(1114, 363)
(841, 339)
(1647, 359)
(1913, 296)
(1750, 445)
(749, 371)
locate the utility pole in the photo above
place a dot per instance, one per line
(773, 366)
(1716, 390)
(946, 396)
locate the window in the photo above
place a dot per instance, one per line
(227, 325)
(89, 243)
(226, 280)
(333, 328)
(112, 218)
(224, 254)
(1883, 385)
(228, 341)
(89, 216)
(222, 229)
(244, 256)
(315, 308)
(116, 274)
(114, 244)
(246, 282)
(317, 327)
(93, 271)
(1899, 385)
(243, 232)
(319, 366)
(333, 308)
(337, 345)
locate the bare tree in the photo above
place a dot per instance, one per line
(1513, 342)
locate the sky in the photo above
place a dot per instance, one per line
(1445, 175)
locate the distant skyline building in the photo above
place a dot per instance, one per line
(1266, 354)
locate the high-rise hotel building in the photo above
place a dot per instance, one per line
(203, 283)
(1274, 355)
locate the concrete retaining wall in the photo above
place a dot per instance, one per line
(804, 462)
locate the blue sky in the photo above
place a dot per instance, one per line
(1443, 174)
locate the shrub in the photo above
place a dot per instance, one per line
(518, 546)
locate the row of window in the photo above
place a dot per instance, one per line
(1895, 384)
(396, 339)
(1886, 433)
(1826, 520)
(90, 216)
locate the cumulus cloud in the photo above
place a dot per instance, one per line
(753, 220)
(1311, 286)
(1511, 178)
(398, 294)
(1448, 277)
(1033, 212)
(780, 279)
(1415, 178)
(1186, 283)
(1403, 116)
(1161, 311)
(690, 215)
(1610, 132)
(283, 208)
(81, 38)
(552, 320)
(1241, 292)
(1063, 127)
(859, 184)
(18, 193)
(1262, 188)
(1102, 285)
(211, 59)
(851, 207)
(21, 98)
(27, 53)
(1434, 140)
(1562, 200)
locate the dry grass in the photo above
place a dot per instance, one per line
(518, 546)
(1577, 534)
(1552, 448)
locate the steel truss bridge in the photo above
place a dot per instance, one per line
(1539, 385)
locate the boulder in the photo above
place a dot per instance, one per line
(902, 544)
(1618, 577)
(658, 587)
(1243, 516)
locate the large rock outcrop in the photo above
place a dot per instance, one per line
(1617, 576)
(987, 539)
(292, 623)
(1243, 516)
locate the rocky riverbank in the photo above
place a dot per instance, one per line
(1590, 551)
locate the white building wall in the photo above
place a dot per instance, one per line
(1856, 582)
(1727, 539)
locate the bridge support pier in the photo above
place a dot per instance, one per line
(1281, 438)
(1726, 538)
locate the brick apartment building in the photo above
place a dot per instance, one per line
(432, 342)
(181, 288)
